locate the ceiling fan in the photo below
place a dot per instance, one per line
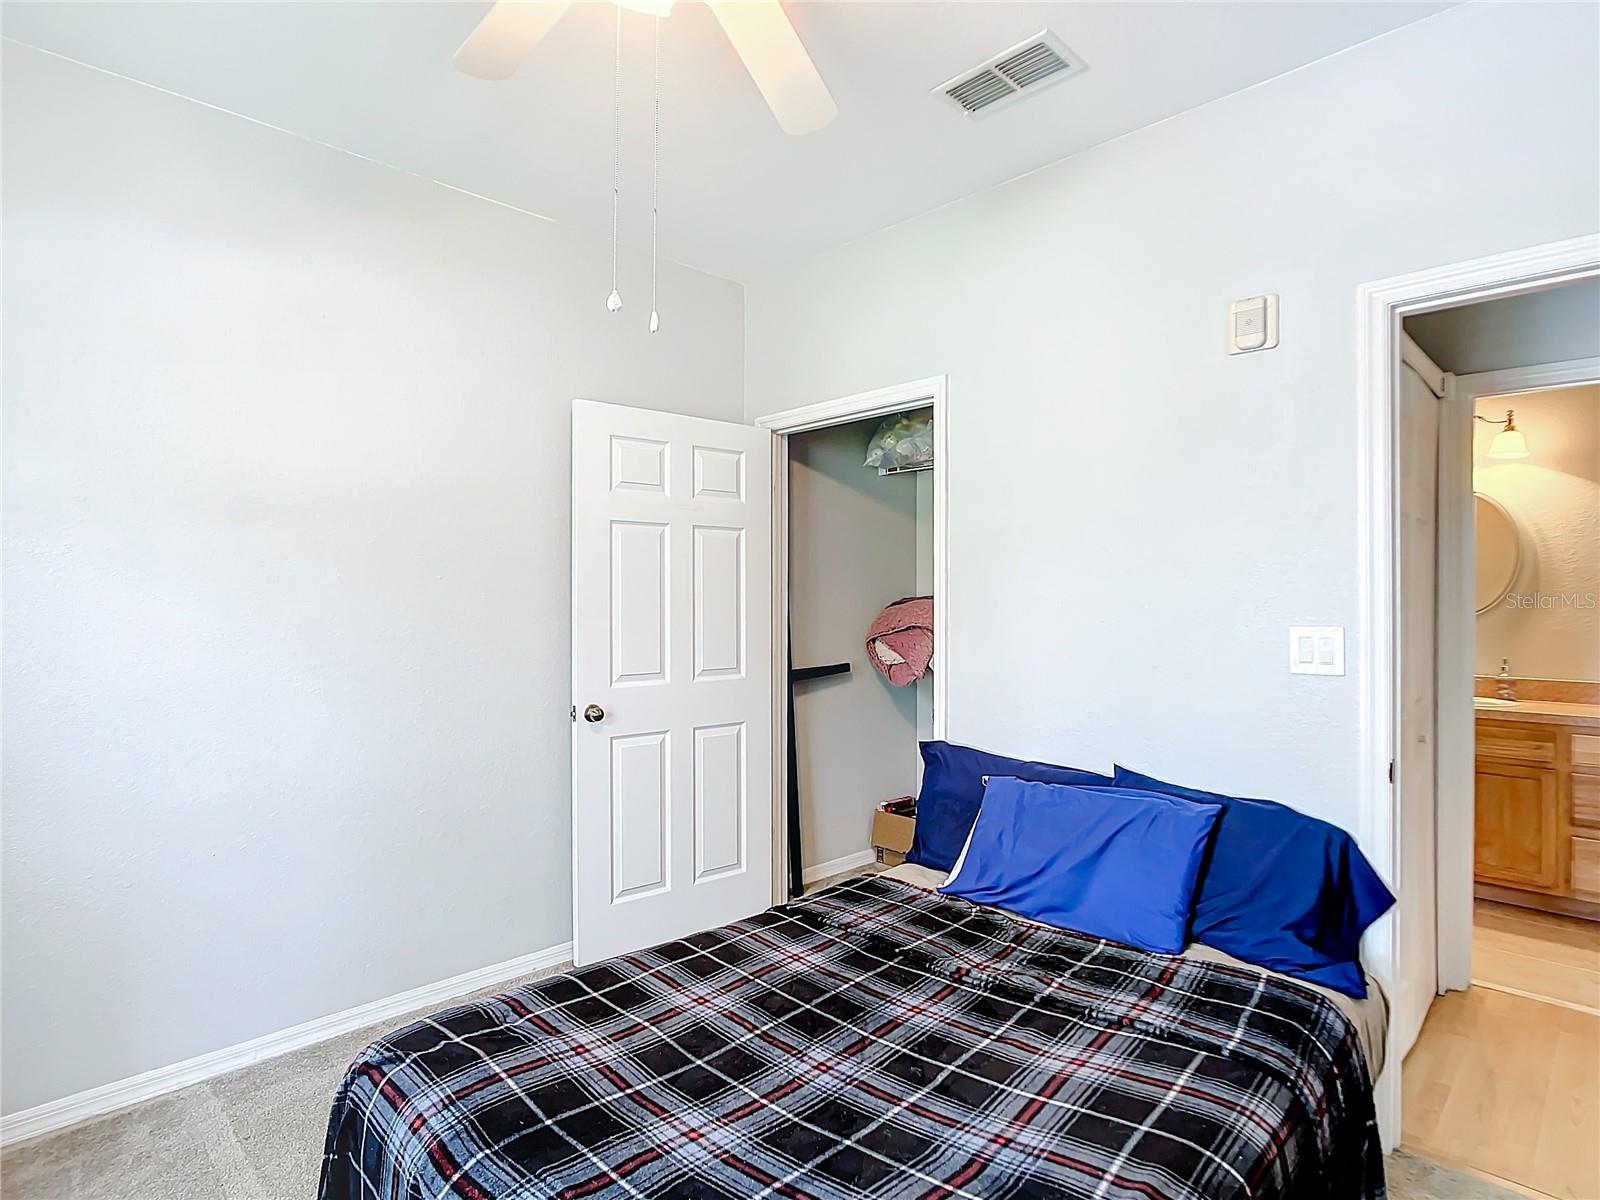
(761, 33)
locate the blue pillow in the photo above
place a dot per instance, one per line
(1282, 890)
(952, 787)
(1109, 862)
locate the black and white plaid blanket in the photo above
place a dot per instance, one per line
(873, 1040)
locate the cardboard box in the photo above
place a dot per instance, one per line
(891, 836)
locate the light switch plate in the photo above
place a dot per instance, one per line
(1316, 649)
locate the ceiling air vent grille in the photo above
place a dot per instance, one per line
(1013, 75)
(980, 91)
(1028, 67)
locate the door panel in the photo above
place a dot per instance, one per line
(719, 590)
(639, 551)
(672, 646)
(718, 473)
(1515, 826)
(638, 465)
(640, 814)
(1585, 867)
(718, 801)
(1414, 752)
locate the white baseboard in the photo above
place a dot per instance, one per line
(833, 867)
(70, 1110)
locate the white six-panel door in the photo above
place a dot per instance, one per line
(672, 675)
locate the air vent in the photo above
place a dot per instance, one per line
(1013, 75)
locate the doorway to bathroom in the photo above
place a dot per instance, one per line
(1499, 550)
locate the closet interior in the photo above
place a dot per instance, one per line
(861, 546)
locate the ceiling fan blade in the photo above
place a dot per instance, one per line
(777, 60)
(506, 36)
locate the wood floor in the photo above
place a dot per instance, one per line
(1505, 1078)
(1536, 954)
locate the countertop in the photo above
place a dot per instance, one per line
(1541, 712)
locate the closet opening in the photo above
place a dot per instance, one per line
(858, 534)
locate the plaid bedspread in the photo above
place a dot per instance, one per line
(872, 1040)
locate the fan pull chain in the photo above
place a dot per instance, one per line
(614, 301)
(655, 185)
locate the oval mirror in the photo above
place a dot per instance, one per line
(1499, 549)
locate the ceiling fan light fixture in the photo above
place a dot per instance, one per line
(760, 31)
(778, 63)
(506, 36)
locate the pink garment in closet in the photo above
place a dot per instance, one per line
(900, 642)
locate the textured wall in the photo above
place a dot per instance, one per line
(1549, 626)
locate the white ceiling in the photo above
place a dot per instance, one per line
(738, 196)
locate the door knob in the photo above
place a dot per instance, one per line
(593, 712)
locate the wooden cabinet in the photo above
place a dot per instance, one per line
(1536, 744)
(1585, 867)
(1585, 804)
(1517, 835)
(1537, 822)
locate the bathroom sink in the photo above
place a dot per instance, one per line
(1492, 702)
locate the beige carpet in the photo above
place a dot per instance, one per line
(254, 1134)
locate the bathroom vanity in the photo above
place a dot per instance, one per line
(1538, 804)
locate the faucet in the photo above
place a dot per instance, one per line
(1504, 686)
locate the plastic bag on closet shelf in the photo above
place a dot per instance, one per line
(904, 442)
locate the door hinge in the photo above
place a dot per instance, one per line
(575, 717)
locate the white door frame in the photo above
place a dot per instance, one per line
(932, 392)
(1458, 623)
(1380, 306)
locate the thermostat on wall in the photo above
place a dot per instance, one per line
(1253, 324)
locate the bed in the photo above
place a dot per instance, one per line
(876, 1039)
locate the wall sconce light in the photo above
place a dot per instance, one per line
(1509, 442)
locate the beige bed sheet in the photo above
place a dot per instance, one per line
(1370, 1016)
